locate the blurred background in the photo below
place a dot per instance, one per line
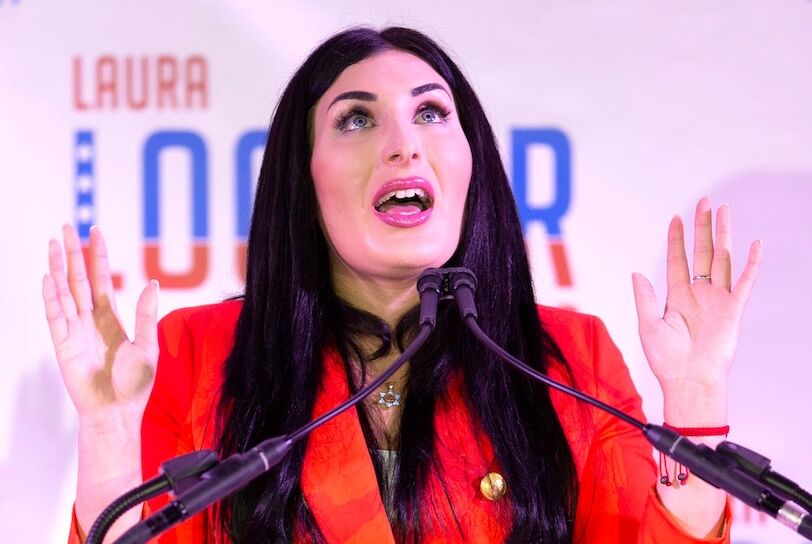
(149, 117)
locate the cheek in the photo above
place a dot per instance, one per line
(338, 182)
(455, 163)
(329, 173)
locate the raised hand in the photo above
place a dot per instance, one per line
(107, 375)
(690, 347)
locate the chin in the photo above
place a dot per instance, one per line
(409, 263)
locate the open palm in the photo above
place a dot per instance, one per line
(693, 342)
(102, 369)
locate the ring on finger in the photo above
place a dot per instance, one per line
(701, 277)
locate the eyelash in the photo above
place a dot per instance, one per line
(441, 110)
(341, 121)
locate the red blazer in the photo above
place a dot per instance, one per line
(617, 502)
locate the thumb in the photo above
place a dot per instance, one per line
(645, 300)
(146, 320)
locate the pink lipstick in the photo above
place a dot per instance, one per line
(404, 202)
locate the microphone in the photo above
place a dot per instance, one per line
(175, 473)
(723, 470)
(196, 491)
(724, 473)
(758, 466)
(198, 480)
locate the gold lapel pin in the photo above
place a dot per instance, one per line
(493, 486)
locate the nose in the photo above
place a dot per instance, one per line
(402, 145)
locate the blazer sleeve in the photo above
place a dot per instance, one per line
(166, 428)
(620, 461)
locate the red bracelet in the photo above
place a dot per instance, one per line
(681, 472)
(699, 431)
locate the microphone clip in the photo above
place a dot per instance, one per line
(452, 283)
(444, 280)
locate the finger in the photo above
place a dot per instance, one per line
(677, 261)
(645, 300)
(53, 311)
(57, 267)
(720, 268)
(77, 273)
(744, 285)
(703, 238)
(101, 280)
(146, 320)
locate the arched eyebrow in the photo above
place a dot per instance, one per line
(354, 95)
(429, 87)
(370, 97)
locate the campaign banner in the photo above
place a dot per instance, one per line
(149, 120)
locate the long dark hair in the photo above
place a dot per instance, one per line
(290, 313)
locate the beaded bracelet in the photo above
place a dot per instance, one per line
(681, 472)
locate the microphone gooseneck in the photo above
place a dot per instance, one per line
(238, 470)
(175, 473)
(149, 489)
(462, 286)
(198, 479)
(722, 470)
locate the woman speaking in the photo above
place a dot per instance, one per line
(380, 163)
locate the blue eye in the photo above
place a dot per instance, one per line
(428, 116)
(356, 122)
(431, 114)
(354, 119)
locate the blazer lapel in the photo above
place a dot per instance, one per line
(464, 455)
(338, 478)
(341, 489)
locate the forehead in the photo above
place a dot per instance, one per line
(390, 71)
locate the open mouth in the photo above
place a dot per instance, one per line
(404, 202)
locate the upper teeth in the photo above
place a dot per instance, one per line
(403, 193)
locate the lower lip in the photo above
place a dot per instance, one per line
(404, 220)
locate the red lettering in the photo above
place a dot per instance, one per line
(78, 102)
(106, 82)
(193, 277)
(558, 254)
(167, 80)
(138, 83)
(140, 102)
(240, 258)
(197, 82)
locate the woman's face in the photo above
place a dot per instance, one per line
(391, 167)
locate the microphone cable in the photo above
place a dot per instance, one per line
(718, 469)
(238, 470)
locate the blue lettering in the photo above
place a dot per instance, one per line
(522, 140)
(155, 144)
(246, 186)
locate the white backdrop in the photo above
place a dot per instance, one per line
(659, 103)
